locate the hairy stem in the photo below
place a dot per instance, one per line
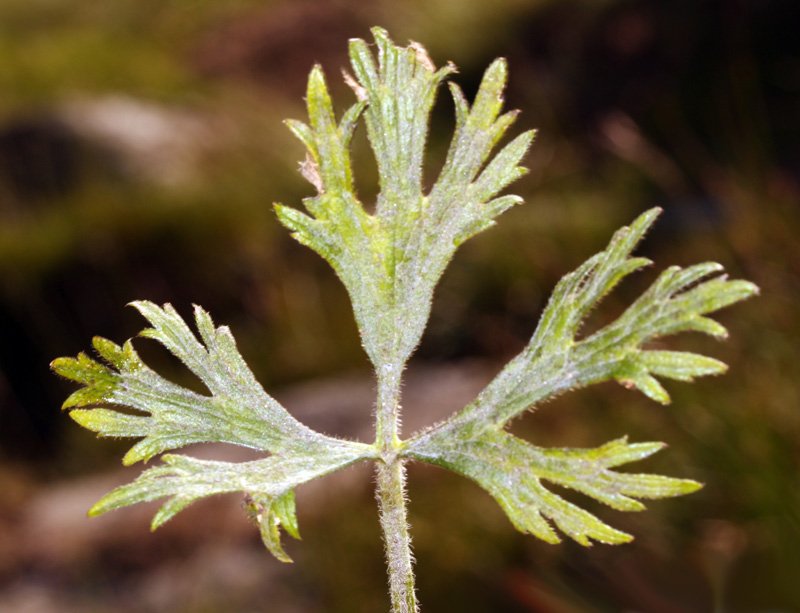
(390, 493)
(387, 411)
(392, 502)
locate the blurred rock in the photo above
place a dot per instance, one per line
(54, 153)
(156, 143)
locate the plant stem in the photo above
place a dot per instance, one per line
(387, 411)
(392, 502)
(390, 493)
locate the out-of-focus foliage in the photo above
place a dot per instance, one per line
(688, 105)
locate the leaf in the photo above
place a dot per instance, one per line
(513, 472)
(268, 484)
(391, 261)
(170, 416)
(270, 514)
(167, 416)
(556, 360)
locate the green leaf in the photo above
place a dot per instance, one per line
(558, 359)
(268, 486)
(514, 472)
(169, 416)
(680, 365)
(123, 397)
(270, 514)
(391, 261)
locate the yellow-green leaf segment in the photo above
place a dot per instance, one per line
(390, 261)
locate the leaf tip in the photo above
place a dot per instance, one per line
(67, 404)
(316, 75)
(689, 486)
(622, 539)
(648, 385)
(142, 305)
(132, 456)
(498, 69)
(749, 289)
(62, 366)
(379, 34)
(644, 222)
(98, 508)
(82, 417)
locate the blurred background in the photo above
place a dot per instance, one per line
(141, 148)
